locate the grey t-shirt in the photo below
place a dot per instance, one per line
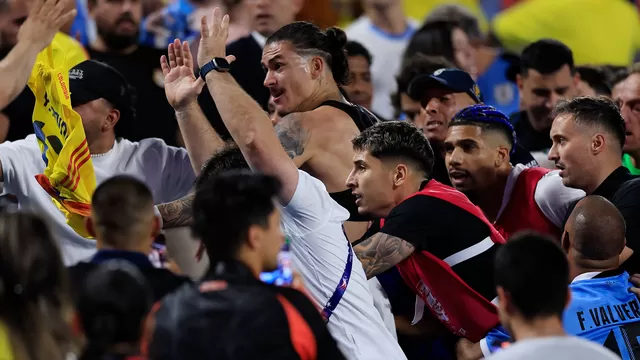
(555, 348)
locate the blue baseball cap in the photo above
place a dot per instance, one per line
(452, 79)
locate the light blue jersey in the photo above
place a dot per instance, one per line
(602, 310)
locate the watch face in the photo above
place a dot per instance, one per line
(222, 64)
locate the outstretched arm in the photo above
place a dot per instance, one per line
(44, 20)
(381, 252)
(177, 213)
(182, 89)
(247, 123)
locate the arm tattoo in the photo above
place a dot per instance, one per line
(292, 135)
(177, 213)
(381, 252)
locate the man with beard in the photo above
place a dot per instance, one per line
(442, 94)
(626, 93)
(478, 147)
(118, 24)
(546, 76)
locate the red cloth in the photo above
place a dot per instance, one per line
(459, 307)
(522, 212)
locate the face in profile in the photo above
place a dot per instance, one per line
(94, 115)
(272, 241)
(117, 21)
(464, 54)
(371, 181)
(571, 152)
(360, 87)
(288, 77)
(470, 160)
(271, 15)
(627, 95)
(441, 105)
(539, 94)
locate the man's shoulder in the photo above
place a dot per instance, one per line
(243, 44)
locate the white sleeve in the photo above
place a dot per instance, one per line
(311, 207)
(20, 159)
(554, 198)
(173, 165)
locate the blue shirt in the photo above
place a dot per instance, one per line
(602, 310)
(497, 90)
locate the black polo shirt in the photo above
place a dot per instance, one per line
(528, 137)
(623, 190)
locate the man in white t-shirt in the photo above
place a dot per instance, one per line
(102, 97)
(333, 275)
(385, 31)
(532, 297)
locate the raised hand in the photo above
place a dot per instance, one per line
(213, 38)
(180, 83)
(44, 20)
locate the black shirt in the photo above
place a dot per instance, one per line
(233, 315)
(161, 281)
(530, 139)
(443, 229)
(154, 116)
(19, 111)
(623, 190)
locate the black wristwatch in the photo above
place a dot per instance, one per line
(217, 64)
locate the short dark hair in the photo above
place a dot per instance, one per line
(488, 119)
(614, 74)
(330, 44)
(594, 76)
(459, 14)
(397, 139)
(594, 111)
(228, 158)
(227, 205)
(354, 48)
(534, 270)
(417, 64)
(434, 38)
(545, 56)
(120, 205)
(114, 300)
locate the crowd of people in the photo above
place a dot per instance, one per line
(411, 190)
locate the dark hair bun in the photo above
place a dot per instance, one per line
(336, 39)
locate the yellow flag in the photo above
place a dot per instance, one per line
(68, 176)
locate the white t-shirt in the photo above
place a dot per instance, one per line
(165, 169)
(386, 52)
(552, 197)
(555, 348)
(313, 223)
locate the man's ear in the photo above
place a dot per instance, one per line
(400, 174)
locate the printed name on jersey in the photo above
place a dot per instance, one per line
(607, 315)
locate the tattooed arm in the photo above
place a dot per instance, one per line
(177, 213)
(381, 252)
(294, 138)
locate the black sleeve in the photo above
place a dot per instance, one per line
(434, 225)
(413, 219)
(327, 347)
(627, 200)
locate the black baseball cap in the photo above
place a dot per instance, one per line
(453, 79)
(91, 80)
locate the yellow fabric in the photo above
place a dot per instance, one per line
(419, 9)
(75, 53)
(597, 31)
(6, 351)
(68, 176)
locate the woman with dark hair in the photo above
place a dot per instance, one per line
(114, 302)
(35, 309)
(446, 39)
